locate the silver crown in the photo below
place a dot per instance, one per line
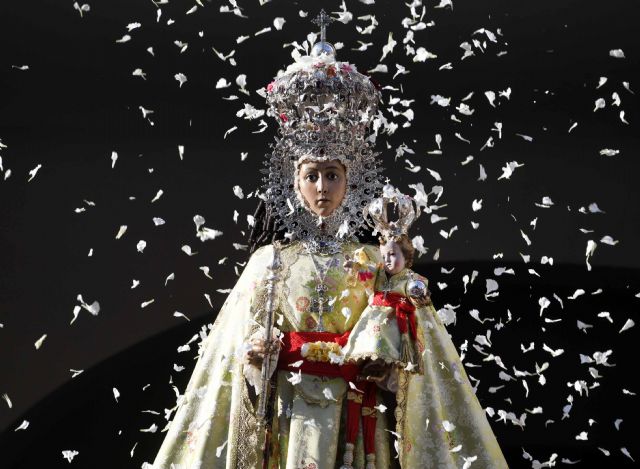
(322, 105)
(324, 109)
(377, 216)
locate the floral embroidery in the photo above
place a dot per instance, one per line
(311, 465)
(449, 440)
(192, 438)
(302, 304)
(407, 446)
(376, 330)
(310, 322)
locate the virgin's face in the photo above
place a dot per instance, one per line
(323, 185)
(392, 257)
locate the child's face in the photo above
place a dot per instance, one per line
(392, 257)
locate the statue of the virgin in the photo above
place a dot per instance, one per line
(271, 388)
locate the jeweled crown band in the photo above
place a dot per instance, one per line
(324, 97)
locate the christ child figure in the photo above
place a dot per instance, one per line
(386, 332)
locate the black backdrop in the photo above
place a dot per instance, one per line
(78, 102)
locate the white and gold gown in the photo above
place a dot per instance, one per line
(215, 425)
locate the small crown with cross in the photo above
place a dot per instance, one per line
(392, 214)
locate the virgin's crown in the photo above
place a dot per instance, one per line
(321, 104)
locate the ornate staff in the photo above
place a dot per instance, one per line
(272, 279)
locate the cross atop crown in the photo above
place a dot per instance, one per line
(323, 20)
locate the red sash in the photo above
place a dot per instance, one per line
(405, 311)
(290, 352)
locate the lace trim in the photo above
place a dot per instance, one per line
(245, 446)
(358, 358)
(292, 215)
(401, 410)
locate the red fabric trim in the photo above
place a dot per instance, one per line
(353, 421)
(405, 310)
(369, 421)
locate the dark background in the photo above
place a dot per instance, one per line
(78, 102)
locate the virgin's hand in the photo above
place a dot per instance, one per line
(376, 371)
(259, 349)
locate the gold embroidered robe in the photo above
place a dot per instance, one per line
(215, 426)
